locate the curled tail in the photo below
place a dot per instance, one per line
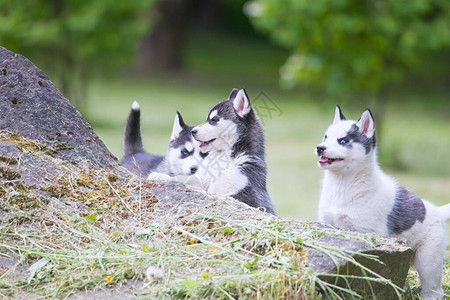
(132, 140)
(445, 211)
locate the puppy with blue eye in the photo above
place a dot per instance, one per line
(357, 195)
(183, 154)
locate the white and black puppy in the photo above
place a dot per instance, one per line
(233, 137)
(183, 153)
(357, 195)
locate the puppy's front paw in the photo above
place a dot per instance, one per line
(159, 177)
(190, 181)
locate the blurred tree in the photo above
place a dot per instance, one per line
(74, 37)
(349, 45)
(175, 21)
(162, 48)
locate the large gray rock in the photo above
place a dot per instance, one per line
(33, 107)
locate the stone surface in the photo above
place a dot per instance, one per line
(31, 106)
(392, 261)
(33, 170)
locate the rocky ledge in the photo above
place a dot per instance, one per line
(74, 222)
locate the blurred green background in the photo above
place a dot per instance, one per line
(297, 59)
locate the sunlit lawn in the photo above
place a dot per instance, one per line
(415, 137)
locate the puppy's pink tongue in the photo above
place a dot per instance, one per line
(202, 144)
(323, 159)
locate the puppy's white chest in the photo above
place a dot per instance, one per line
(363, 209)
(222, 176)
(337, 217)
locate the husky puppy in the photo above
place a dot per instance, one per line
(183, 153)
(357, 195)
(233, 137)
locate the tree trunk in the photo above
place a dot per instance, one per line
(70, 72)
(380, 109)
(162, 48)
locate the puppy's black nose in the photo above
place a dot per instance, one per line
(194, 132)
(320, 149)
(194, 170)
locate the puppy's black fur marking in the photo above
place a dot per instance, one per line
(341, 115)
(132, 136)
(142, 164)
(253, 170)
(355, 136)
(184, 136)
(408, 208)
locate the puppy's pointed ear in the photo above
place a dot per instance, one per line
(178, 126)
(338, 116)
(241, 104)
(233, 94)
(366, 124)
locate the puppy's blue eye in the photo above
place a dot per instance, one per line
(215, 119)
(342, 141)
(184, 152)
